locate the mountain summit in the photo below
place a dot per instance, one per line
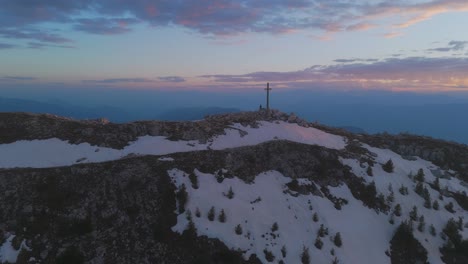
(249, 187)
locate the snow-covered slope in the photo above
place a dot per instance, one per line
(55, 152)
(365, 232)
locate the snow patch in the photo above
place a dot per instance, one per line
(8, 253)
(55, 152)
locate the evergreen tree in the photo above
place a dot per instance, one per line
(194, 180)
(391, 198)
(222, 216)
(435, 205)
(283, 251)
(403, 190)
(211, 213)
(315, 217)
(460, 223)
(452, 232)
(391, 220)
(404, 248)
(437, 184)
(388, 166)
(335, 261)
(432, 230)
(191, 229)
(197, 212)
(274, 227)
(449, 207)
(322, 231)
(421, 224)
(427, 198)
(305, 258)
(420, 175)
(230, 193)
(369, 171)
(397, 210)
(238, 229)
(182, 197)
(318, 243)
(419, 189)
(414, 214)
(268, 255)
(337, 240)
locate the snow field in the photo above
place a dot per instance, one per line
(55, 152)
(398, 178)
(365, 234)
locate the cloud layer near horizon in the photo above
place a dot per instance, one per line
(411, 73)
(22, 19)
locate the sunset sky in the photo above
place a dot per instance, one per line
(410, 45)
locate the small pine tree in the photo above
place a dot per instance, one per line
(369, 171)
(337, 240)
(414, 214)
(332, 252)
(238, 229)
(449, 207)
(182, 197)
(268, 255)
(435, 205)
(318, 243)
(420, 175)
(197, 212)
(432, 230)
(397, 210)
(335, 261)
(460, 223)
(421, 224)
(419, 189)
(427, 198)
(194, 180)
(283, 251)
(222, 216)
(403, 190)
(322, 231)
(388, 166)
(274, 227)
(390, 198)
(315, 217)
(211, 214)
(437, 184)
(191, 229)
(305, 258)
(391, 220)
(230, 193)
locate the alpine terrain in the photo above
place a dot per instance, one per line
(248, 187)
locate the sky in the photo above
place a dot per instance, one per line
(216, 45)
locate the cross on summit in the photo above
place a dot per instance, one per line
(268, 89)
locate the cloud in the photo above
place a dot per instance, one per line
(390, 73)
(105, 26)
(172, 79)
(39, 45)
(354, 60)
(33, 34)
(360, 27)
(18, 78)
(25, 19)
(6, 46)
(119, 80)
(452, 46)
(392, 34)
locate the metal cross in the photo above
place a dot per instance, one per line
(268, 89)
